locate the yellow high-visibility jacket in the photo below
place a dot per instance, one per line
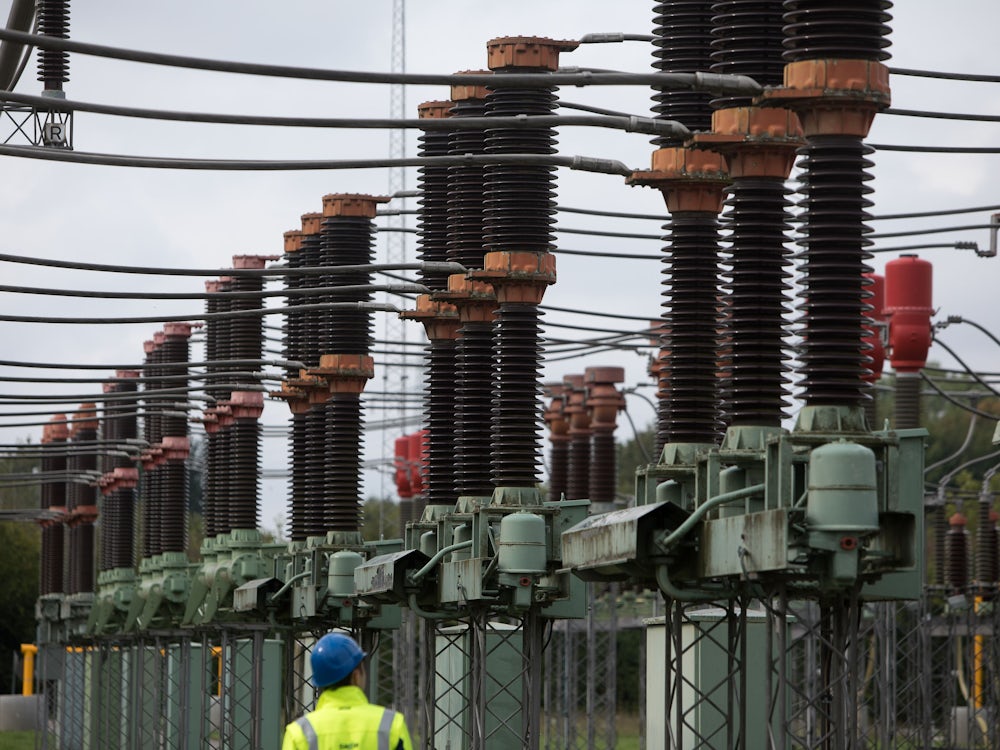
(345, 720)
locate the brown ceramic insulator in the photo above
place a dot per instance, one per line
(432, 184)
(214, 333)
(151, 410)
(52, 18)
(346, 241)
(682, 31)
(292, 330)
(439, 419)
(747, 39)
(54, 535)
(690, 278)
(603, 467)
(213, 483)
(246, 333)
(466, 206)
(406, 511)
(987, 563)
(312, 520)
(175, 352)
(173, 521)
(344, 445)
(298, 500)
(558, 425)
(149, 499)
(578, 472)
(474, 394)
(244, 474)
(956, 553)
(81, 552)
(309, 327)
(849, 29)
(833, 262)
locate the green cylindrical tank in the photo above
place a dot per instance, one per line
(462, 533)
(521, 546)
(843, 489)
(340, 578)
(429, 543)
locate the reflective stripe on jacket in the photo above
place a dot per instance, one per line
(345, 720)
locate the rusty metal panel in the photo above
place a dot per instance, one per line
(763, 536)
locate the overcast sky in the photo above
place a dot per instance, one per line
(201, 219)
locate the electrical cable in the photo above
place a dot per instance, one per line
(276, 271)
(933, 230)
(628, 123)
(945, 395)
(579, 163)
(935, 149)
(256, 313)
(597, 254)
(965, 366)
(413, 288)
(283, 363)
(713, 82)
(594, 313)
(977, 326)
(941, 115)
(950, 246)
(605, 233)
(971, 77)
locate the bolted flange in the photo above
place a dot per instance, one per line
(351, 204)
(461, 92)
(436, 110)
(475, 301)
(440, 319)
(527, 52)
(691, 179)
(517, 277)
(345, 373)
(755, 142)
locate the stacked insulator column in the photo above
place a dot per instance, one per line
(836, 83)
(53, 65)
(345, 363)
(603, 402)
(213, 489)
(173, 479)
(152, 434)
(555, 418)
(82, 500)
(440, 319)
(466, 210)
(53, 499)
(519, 201)
(987, 555)
(305, 508)
(956, 555)
(759, 147)
(118, 426)
(578, 475)
(691, 180)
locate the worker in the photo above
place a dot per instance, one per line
(344, 719)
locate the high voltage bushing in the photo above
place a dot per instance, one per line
(476, 304)
(175, 445)
(578, 473)
(53, 499)
(692, 181)
(441, 323)
(246, 408)
(759, 147)
(246, 338)
(555, 419)
(82, 505)
(603, 402)
(908, 306)
(519, 201)
(747, 39)
(956, 555)
(987, 556)
(682, 39)
(120, 476)
(466, 210)
(432, 184)
(53, 65)
(835, 82)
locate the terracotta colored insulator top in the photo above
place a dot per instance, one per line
(440, 318)
(82, 514)
(292, 240)
(158, 338)
(126, 477)
(555, 419)
(223, 415)
(107, 387)
(833, 96)
(475, 301)
(210, 421)
(252, 262)
(958, 519)
(527, 52)
(106, 484)
(58, 429)
(297, 394)
(603, 400)
(345, 373)
(311, 222)
(437, 110)
(576, 407)
(461, 92)
(126, 374)
(657, 330)
(352, 204)
(517, 276)
(755, 142)
(178, 330)
(176, 448)
(246, 404)
(85, 418)
(691, 179)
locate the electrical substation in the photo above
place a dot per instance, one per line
(783, 576)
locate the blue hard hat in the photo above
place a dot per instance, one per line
(333, 658)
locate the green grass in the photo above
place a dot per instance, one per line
(17, 740)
